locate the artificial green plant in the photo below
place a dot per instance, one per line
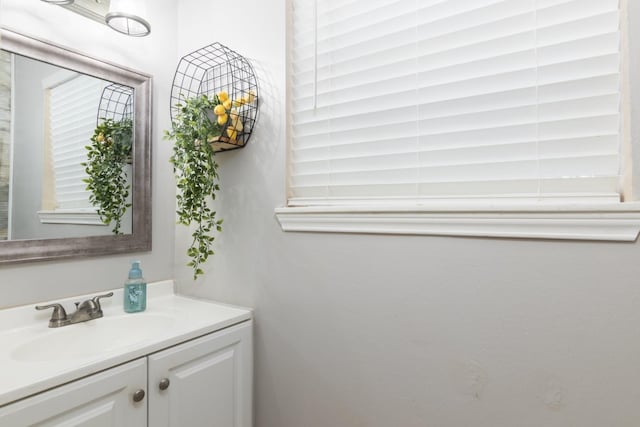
(196, 173)
(107, 180)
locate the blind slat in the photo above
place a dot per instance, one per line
(73, 108)
(455, 98)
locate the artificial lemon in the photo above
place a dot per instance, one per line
(249, 97)
(223, 96)
(232, 133)
(237, 125)
(219, 110)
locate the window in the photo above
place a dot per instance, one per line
(457, 117)
(72, 105)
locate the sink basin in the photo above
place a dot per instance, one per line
(86, 339)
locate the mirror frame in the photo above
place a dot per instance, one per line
(140, 237)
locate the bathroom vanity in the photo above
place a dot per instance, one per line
(182, 362)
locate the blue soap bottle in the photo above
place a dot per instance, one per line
(135, 290)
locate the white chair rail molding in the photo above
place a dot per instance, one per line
(504, 119)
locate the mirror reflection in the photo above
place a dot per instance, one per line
(65, 152)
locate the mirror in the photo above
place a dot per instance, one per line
(60, 102)
(52, 116)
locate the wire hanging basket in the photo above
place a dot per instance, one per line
(116, 103)
(214, 69)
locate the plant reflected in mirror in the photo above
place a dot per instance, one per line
(108, 181)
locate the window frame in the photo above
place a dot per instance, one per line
(510, 219)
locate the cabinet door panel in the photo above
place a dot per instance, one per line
(210, 381)
(100, 400)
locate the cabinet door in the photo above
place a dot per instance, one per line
(210, 381)
(101, 400)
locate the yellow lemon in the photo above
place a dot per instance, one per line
(237, 125)
(234, 114)
(232, 133)
(251, 96)
(227, 104)
(219, 110)
(223, 96)
(100, 137)
(222, 119)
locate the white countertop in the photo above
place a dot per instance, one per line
(23, 328)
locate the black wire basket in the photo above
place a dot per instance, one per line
(214, 69)
(116, 103)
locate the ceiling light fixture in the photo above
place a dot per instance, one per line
(126, 16)
(60, 2)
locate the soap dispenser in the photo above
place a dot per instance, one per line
(135, 290)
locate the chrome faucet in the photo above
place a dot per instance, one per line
(86, 310)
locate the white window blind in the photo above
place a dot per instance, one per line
(405, 102)
(73, 108)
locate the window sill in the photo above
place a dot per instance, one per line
(70, 216)
(614, 222)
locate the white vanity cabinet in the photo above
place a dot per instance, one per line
(206, 381)
(100, 400)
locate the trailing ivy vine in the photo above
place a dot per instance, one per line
(195, 169)
(107, 156)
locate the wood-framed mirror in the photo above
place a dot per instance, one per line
(45, 208)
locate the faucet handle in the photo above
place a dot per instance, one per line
(97, 298)
(59, 315)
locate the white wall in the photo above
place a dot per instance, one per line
(155, 55)
(381, 331)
